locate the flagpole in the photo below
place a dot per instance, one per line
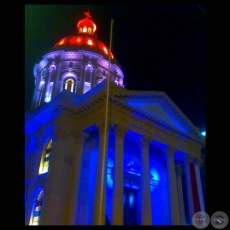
(105, 144)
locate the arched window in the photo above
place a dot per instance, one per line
(69, 84)
(37, 208)
(89, 30)
(44, 164)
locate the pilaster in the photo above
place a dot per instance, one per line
(75, 180)
(57, 178)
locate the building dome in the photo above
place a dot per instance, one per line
(76, 63)
(85, 40)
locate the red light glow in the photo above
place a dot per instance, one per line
(61, 42)
(87, 40)
(90, 42)
(105, 50)
(72, 41)
(94, 27)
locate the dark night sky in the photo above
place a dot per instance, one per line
(160, 47)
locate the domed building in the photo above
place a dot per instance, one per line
(75, 63)
(97, 158)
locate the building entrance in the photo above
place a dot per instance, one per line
(130, 206)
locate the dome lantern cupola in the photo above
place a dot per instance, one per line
(86, 26)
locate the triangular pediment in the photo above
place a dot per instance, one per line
(155, 109)
(156, 104)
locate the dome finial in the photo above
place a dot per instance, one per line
(87, 14)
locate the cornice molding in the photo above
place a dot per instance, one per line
(77, 105)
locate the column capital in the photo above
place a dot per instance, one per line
(186, 158)
(197, 161)
(169, 151)
(81, 137)
(52, 66)
(61, 133)
(120, 131)
(101, 127)
(144, 142)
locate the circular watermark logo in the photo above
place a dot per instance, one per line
(219, 220)
(201, 220)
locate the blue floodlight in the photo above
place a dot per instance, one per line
(203, 133)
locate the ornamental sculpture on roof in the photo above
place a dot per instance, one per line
(87, 14)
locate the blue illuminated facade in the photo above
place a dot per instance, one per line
(153, 156)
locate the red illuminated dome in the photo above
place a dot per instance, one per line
(85, 40)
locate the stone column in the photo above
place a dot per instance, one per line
(91, 74)
(93, 77)
(186, 160)
(179, 171)
(173, 195)
(55, 194)
(60, 86)
(100, 191)
(36, 95)
(75, 181)
(52, 68)
(56, 90)
(82, 79)
(118, 183)
(199, 186)
(146, 212)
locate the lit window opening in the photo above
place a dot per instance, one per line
(37, 210)
(44, 164)
(78, 40)
(69, 85)
(89, 30)
(90, 42)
